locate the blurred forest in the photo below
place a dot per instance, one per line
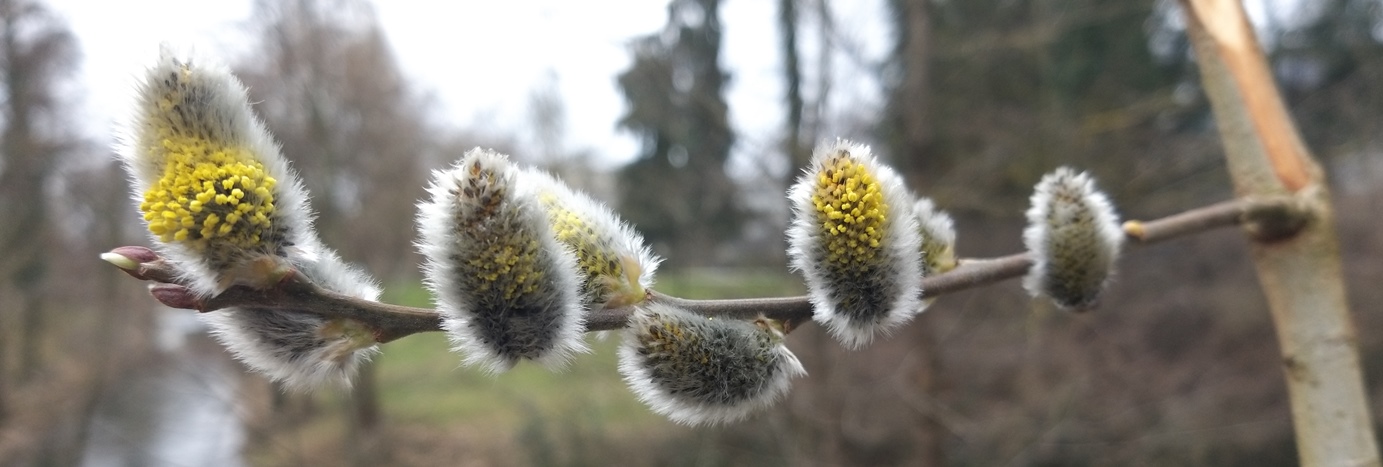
(1179, 366)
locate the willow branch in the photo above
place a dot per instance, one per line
(389, 322)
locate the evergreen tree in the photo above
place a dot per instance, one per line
(986, 95)
(677, 192)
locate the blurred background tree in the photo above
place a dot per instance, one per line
(61, 200)
(359, 135)
(37, 52)
(675, 90)
(357, 131)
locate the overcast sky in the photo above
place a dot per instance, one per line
(482, 59)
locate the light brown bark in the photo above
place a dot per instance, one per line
(1300, 274)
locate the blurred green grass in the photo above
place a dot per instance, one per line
(422, 381)
(707, 283)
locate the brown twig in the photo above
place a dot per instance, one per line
(1266, 220)
(391, 322)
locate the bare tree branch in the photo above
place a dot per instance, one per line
(390, 322)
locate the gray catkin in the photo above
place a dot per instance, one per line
(697, 369)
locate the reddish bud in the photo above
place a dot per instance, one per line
(137, 254)
(175, 296)
(130, 259)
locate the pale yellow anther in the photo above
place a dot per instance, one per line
(196, 200)
(849, 204)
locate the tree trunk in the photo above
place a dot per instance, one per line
(911, 94)
(4, 373)
(362, 435)
(31, 330)
(926, 377)
(798, 155)
(1300, 271)
(910, 150)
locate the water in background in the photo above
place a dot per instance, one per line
(178, 410)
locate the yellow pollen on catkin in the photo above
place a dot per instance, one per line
(849, 209)
(209, 196)
(666, 337)
(505, 268)
(607, 275)
(508, 271)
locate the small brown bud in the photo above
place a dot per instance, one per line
(175, 296)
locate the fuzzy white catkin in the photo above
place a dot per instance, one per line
(507, 289)
(192, 110)
(938, 234)
(192, 143)
(616, 266)
(303, 351)
(856, 242)
(1074, 237)
(702, 370)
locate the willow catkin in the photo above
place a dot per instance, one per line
(855, 240)
(704, 370)
(507, 288)
(222, 205)
(1074, 237)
